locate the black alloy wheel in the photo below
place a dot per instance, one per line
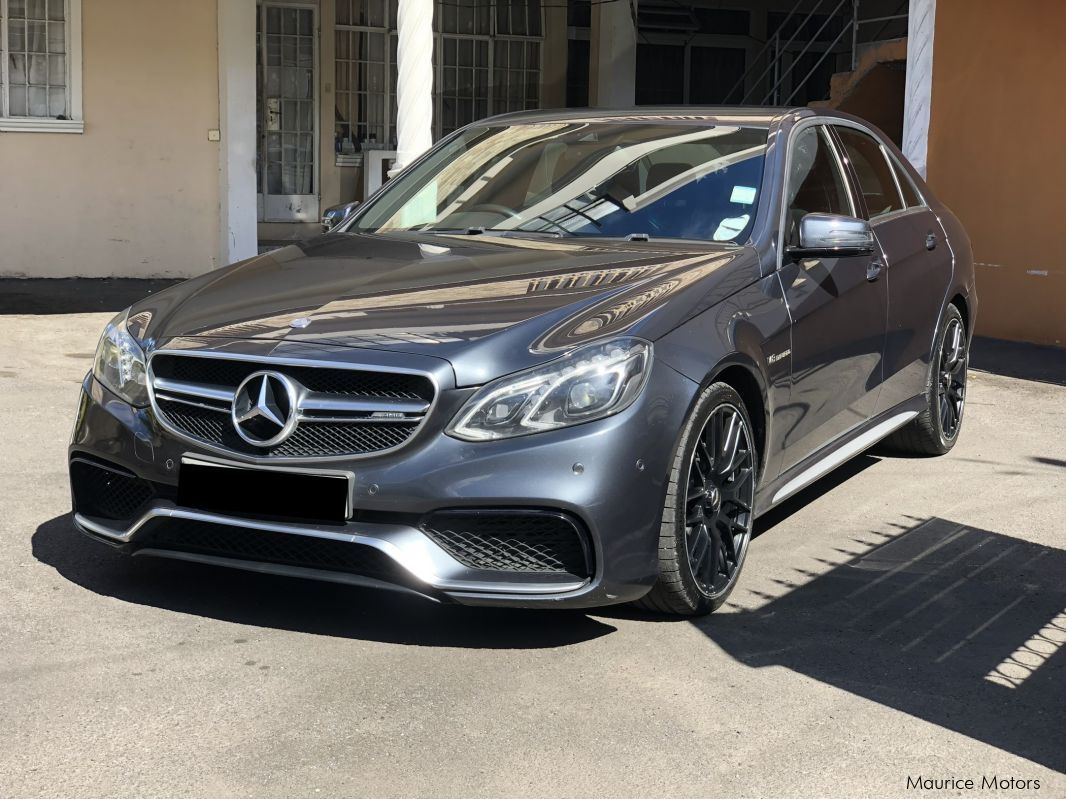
(719, 499)
(951, 386)
(709, 507)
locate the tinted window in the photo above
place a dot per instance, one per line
(910, 194)
(815, 184)
(873, 170)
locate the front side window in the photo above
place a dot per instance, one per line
(582, 179)
(873, 171)
(815, 183)
(35, 81)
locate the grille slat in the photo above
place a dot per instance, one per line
(358, 434)
(511, 541)
(326, 380)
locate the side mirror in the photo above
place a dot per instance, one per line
(832, 236)
(338, 213)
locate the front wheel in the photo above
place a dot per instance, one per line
(708, 513)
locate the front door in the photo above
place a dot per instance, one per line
(838, 312)
(287, 113)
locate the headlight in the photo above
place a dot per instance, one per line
(589, 383)
(119, 363)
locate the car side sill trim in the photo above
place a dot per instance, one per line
(845, 453)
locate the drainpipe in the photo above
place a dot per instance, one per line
(414, 81)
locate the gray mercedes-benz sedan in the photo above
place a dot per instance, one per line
(564, 359)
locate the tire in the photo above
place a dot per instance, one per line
(688, 584)
(936, 429)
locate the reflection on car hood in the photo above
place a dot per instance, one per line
(489, 305)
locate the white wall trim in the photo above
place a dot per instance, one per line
(237, 113)
(918, 98)
(35, 125)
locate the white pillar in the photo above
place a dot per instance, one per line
(414, 81)
(236, 118)
(921, 24)
(613, 52)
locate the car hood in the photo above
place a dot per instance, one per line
(490, 305)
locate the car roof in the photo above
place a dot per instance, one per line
(741, 114)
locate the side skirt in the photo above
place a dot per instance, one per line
(836, 453)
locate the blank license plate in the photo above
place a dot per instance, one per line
(269, 493)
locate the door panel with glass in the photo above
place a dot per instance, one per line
(287, 113)
(838, 313)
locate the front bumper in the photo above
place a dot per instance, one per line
(615, 497)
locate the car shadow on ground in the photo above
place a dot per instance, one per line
(305, 606)
(962, 627)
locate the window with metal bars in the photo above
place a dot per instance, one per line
(487, 58)
(36, 82)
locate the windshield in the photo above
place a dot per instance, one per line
(570, 178)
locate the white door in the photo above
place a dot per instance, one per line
(287, 112)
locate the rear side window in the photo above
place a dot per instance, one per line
(873, 170)
(815, 184)
(910, 194)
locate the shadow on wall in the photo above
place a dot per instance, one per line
(1024, 361)
(74, 295)
(961, 627)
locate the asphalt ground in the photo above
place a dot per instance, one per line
(901, 619)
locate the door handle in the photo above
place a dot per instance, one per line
(930, 241)
(873, 270)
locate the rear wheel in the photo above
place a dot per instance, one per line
(936, 429)
(707, 517)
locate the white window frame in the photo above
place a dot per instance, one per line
(75, 123)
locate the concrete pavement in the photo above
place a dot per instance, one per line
(903, 618)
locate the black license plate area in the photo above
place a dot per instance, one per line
(263, 493)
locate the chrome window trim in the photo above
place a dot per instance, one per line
(904, 208)
(276, 361)
(798, 128)
(899, 170)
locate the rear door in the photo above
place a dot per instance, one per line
(917, 260)
(838, 308)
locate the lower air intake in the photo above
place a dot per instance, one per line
(512, 540)
(104, 492)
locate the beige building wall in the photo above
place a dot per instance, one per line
(136, 194)
(996, 157)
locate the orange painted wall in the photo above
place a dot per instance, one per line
(997, 155)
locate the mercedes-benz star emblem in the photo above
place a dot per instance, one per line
(264, 408)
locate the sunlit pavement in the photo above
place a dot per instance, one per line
(908, 622)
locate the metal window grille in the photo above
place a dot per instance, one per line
(487, 55)
(34, 77)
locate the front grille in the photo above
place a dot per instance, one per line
(262, 546)
(107, 492)
(340, 411)
(512, 540)
(229, 373)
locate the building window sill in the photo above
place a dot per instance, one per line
(12, 125)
